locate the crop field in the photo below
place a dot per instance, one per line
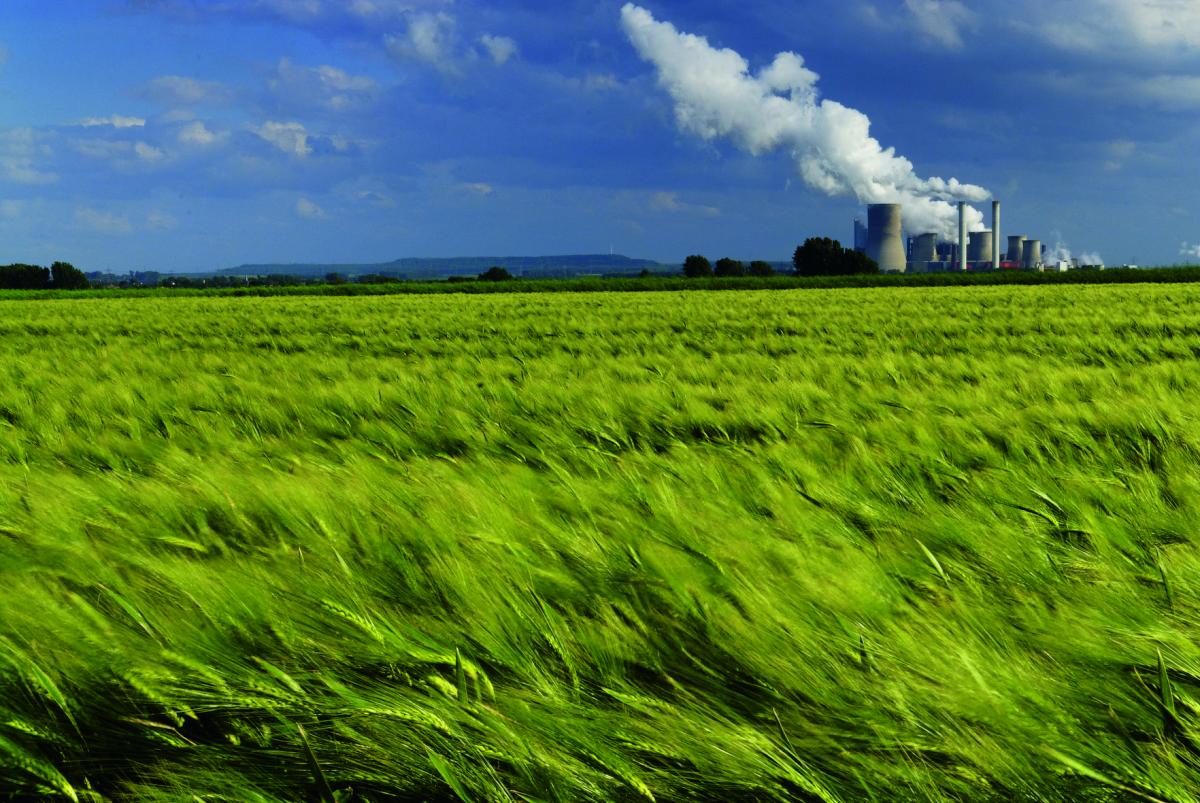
(827, 545)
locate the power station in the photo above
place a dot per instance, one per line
(882, 239)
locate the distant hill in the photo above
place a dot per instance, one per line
(437, 268)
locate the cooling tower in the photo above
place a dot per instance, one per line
(962, 235)
(925, 248)
(995, 235)
(884, 244)
(1031, 254)
(980, 249)
(1015, 243)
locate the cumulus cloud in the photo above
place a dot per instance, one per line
(716, 97)
(114, 120)
(147, 152)
(669, 202)
(291, 138)
(308, 210)
(499, 48)
(1189, 250)
(430, 38)
(102, 222)
(197, 134)
(324, 86)
(180, 90)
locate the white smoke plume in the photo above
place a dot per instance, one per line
(1061, 252)
(716, 96)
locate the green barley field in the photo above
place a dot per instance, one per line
(934, 544)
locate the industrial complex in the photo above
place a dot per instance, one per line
(883, 240)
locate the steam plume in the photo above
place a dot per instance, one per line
(716, 96)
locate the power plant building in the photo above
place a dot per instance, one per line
(860, 237)
(1015, 245)
(980, 249)
(1031, 254)
(883, 241)
(885, 244)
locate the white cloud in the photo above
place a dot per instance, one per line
(1188, 250)
(115, 120)
(1106, 26)
(430, 38)
(198, 135)
(941, 20)
(375, 198)
(1168, 92)
(102, 222)
(22, 150)
(147, 152)
(500, 48)
(291, 138)
(325, 86)
(184, 91)
(669, 202)
(309, 210)
(477, 188)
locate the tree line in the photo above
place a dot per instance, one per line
(59, 276)
(819, 256)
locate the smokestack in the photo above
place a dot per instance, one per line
(884, 244)
(995, 235)
(962, 235)
(1031, 254)
(1015, 243)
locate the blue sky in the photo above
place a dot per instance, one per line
(191, 135)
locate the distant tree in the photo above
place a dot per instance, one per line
(495, 274)
(729, 267)
(334, 278)
(65, 276)
(696, 266)
(459, 279)
(24, 277)
(644, 273)
(821, 256)
(760, 268)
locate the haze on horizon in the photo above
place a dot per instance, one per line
(186, 135)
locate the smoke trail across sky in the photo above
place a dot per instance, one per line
(716, 96)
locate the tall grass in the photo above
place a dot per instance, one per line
(828, 545)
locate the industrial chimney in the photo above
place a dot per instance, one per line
(884, 244)
(995, 235)
(1015, 243)
(962, 235)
